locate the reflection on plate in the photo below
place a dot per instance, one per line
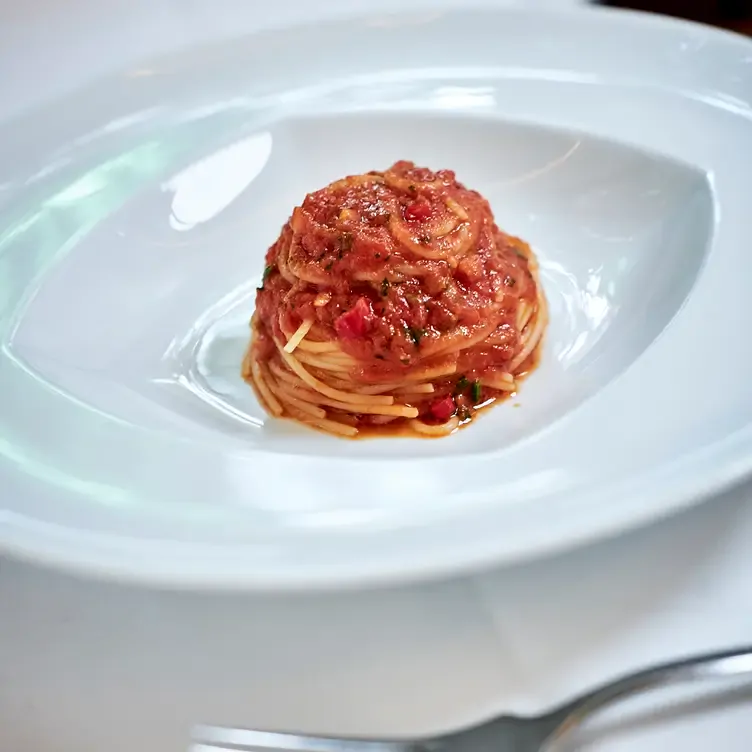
(132, 249)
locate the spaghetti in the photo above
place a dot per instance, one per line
(392, 302)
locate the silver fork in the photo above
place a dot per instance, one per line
(504, 734)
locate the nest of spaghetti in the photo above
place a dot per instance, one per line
(392, 303)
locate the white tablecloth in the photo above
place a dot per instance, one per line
(92, 667)
(87, 667)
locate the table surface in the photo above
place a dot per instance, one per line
(93, 667)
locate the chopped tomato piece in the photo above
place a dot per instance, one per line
(443, 408)
(418, 210)
(354, 323)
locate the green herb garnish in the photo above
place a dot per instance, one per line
(462, 384)
(464, 414)
(384, 287)
(475, 392)
(415, 334)
(267, 271)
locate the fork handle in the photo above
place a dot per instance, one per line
(536, 733)
(723, 664)
(219, 739)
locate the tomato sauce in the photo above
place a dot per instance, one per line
(407, 270)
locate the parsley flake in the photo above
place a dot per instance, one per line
(415, 334)
(345, 241)
(267, 271)
(476, 392)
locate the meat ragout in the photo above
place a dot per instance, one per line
(408, 271)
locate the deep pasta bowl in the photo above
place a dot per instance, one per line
(134, 223)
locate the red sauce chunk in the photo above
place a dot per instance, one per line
(443, 408)
(354, 324)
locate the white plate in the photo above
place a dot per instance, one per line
(134, 218)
